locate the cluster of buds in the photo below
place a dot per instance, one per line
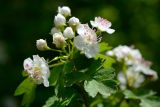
(68, 35)
(135, 66)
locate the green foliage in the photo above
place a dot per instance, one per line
(27, 88)
(94, 87)
(104, 46)
(146, 100)
(54, 101)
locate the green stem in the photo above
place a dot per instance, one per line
(57, 64)
(55, 50)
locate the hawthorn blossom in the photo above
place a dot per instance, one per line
(55, 30)
(86, 41)
(73, 21)
(68, 33)
(59, 40)
(127, 54)
(130, 78)
(143, 66)
(37, 69)
(59, 20)
(136, 67)
(66, 11)
(102, 25)
(42, 45)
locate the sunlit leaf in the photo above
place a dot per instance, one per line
(51, 101)
(104, 46)
(94, 87)
(146, 100)
(105, 74)
(27, 87)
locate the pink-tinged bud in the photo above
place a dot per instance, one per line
(66, 11)
(42, 45)
(68, 33)
(59, 21)
(59, 40)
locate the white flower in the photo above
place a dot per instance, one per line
(55, 30)
(73, 21)
(59, 40)
(59, 20)
(122, 80)
(42, 45)
(37, 69)
(68, 33)
(66, 11)
(135, 79)
(86, 41)
(144, 67)
(125, 53)
(102, 25)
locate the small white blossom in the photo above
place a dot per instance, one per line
(137, 67)
(59, 40)
(73, 21)
(68, 33)
(86, 41)
(37, 69)
(129, 55)
(42, 45)
(102, 25)
(131, 78)
(55, 30)
(66, 11)
(122, 80)
(143, 66)
(59, 20)
(135, 79)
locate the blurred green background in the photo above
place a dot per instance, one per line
(22, 22)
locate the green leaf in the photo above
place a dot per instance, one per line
(107, 61)
(146, 100)
(67, 101)
(55, 73)
(94, 87)
(105, 74)
(75, 77)
(104, 46)
(149, 103)
(129, 95)
(51, 101)
(27, 87)
(54, 101)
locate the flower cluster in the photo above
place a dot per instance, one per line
(135, 67)
(68, 35)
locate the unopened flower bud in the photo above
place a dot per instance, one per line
(68, 33)
(42, 45)
(59, 20)
(73, 21)
(59, 40)
(55, 30)
(66, 11)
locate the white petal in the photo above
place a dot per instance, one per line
(110, 31)
(79, 42)
(93, 23)
(28, 63)
(91, 50)
(80, 29)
